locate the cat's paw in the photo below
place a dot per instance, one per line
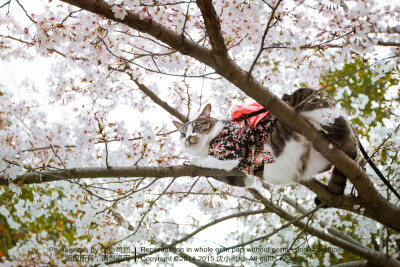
(249, 181)
(213, 163)
(229, 165)
(196, 162)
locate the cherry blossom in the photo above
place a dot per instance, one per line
(119, 12)
(111, 90)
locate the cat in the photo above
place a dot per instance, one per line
(290, 156)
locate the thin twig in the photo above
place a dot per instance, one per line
(69, 15)
(6, 3)
(26, 13)
(186, 18)
(190, 189)
(263, 37)
(131, 61)
(198, 230)
(276, 230)
(339, 79)
(144, 215)
(55, 153)
(298, 236)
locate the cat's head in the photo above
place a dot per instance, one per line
(196, 135)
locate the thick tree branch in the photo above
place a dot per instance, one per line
(104, 172)
(387, 30)
(330, 229)
(286, 225)
(360, 263)
(387, 43)
(337, 201)
(374, 257)
(213, 27)
(368, 195)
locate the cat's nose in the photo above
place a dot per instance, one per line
(190, 140)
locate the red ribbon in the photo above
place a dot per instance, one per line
(238, 111)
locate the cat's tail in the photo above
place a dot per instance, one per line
(342, 134)
(336, 185)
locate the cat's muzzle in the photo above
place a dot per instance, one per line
(191, 140)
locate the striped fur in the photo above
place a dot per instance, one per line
(295, 158)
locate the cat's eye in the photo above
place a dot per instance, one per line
(183, 135)
(196, 128)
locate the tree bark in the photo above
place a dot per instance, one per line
(37, 177)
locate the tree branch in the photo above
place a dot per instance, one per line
(330, 229)
(213, 27)
(374, 257)
(286, 225)
(6, 3)
(104, 172)
(360, 263)
(178, 42)
(26, 13)
(174, 112)
(383, 43)
(263, 37)
(198, 230)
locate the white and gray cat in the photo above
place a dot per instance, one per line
(295, 158)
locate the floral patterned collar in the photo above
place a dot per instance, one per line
(239, 140)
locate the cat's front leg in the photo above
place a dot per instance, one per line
(214, 163)
(227, 165)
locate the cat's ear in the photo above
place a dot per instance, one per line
(206, 111)
(178, 125)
